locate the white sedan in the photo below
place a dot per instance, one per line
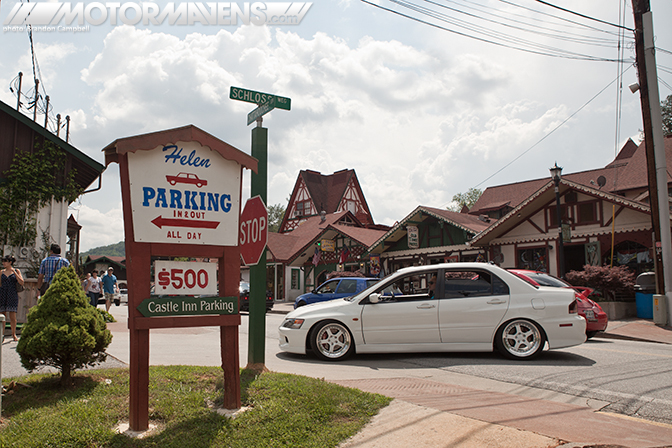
(452, 307)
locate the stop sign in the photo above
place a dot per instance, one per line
(253, 230)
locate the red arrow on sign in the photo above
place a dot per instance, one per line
(160, 221)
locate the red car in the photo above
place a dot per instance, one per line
(596, 318)
(186, 178)
(244, 298)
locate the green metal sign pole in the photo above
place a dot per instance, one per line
(257, 318)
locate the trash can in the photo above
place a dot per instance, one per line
(645, 287)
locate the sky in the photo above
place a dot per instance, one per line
(422, 107)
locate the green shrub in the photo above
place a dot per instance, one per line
(63, 331)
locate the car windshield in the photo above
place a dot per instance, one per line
(547, 280)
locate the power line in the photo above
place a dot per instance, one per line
(492, 37)
(585, 16)
(552, 131)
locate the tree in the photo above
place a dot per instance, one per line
(63, 329)
(33, 180)
(469, 199)
(609, 280)
(666, 107)
(275, 215)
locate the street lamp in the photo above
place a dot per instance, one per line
(556, 175)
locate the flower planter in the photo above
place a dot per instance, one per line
(619, 310)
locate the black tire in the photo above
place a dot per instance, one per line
(301, 304)
(591, 334)
(332, 341)
(520, 339)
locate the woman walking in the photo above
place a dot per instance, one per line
(93, 288)
(9, 297)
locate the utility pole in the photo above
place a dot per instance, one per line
(655, 147)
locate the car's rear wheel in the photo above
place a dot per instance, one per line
(332, 341)
(300, 304)
(590, 334)
(520, 339)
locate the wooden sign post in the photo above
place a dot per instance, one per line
(181, 194)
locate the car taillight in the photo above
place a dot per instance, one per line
(573, 307)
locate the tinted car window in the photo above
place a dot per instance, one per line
(347, 287)
(458, 284)
(546, 280)
(328, 288)
(416, 286)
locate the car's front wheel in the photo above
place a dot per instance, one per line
(520, 339)
(332, 341)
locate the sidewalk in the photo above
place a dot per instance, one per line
(426, 412)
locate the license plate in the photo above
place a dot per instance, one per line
(590, 315)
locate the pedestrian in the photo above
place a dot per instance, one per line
(9, 296)
(49, 267)
(110, 287)
(93, 288)
(85, 282)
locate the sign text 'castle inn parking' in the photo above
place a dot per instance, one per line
(184, 193)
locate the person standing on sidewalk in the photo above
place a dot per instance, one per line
(110, 287)
(49, 267)
(9, 296)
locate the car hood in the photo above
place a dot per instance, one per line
(319, 308)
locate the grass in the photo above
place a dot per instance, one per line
(285, 410)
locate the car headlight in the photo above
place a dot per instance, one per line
(292, 323)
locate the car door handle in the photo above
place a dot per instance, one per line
(496, 302)
(426, 306)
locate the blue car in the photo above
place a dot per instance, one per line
(335, 288)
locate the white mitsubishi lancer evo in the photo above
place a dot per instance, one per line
(452, 307)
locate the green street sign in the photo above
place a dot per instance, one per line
(187, 306)
(250, 96)
(261, 110)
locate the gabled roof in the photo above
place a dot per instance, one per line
(187, 133)
(93, 259)
(542, 197)
(625, 173)
(86, 169)
(327, 191)
(287, 247)
(469, 223)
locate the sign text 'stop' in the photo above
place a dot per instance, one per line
(250, 96)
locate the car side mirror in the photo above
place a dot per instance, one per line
(374, 298)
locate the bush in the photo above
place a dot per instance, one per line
(63, 330)
(609, 280)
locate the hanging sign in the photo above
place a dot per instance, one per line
(413, 240)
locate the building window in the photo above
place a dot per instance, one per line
(302, 208)
(534, 259)
(553, 215)
(296, 279)
(587, 212)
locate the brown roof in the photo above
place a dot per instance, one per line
(287, 246)
(545, 195)
(626, 172)
(468, 223)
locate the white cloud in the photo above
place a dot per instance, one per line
(98, 228)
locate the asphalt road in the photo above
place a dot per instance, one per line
(626, 377)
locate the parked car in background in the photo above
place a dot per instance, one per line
(450, 307)
(123, 296)
(336, 288)
(244, 298)
(596, 318)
